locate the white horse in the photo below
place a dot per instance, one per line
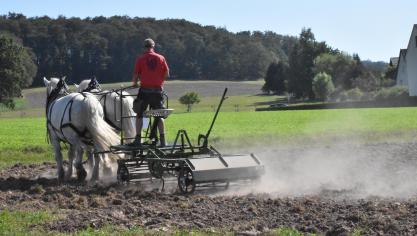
(76, 119)
(110, 100)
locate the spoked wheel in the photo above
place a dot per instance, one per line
(185, 181)
(122, 174)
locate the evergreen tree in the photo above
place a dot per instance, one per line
(275, 78)
(301, 63)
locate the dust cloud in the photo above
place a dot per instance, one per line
(337, 170)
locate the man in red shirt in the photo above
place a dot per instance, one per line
(151, 70)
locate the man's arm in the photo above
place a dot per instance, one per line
(135, 80)
(166, 75)
(136, 72)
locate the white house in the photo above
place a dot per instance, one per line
(401, 76)
(393, 61)
(407, 65)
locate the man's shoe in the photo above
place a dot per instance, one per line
(162, 142)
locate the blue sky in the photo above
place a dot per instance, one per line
(375, 29)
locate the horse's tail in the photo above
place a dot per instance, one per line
(129, 125)
(102, 133)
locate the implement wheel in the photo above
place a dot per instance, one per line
(122, 174)
(186, 182)
(156, 168)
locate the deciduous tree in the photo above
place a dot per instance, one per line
(322, 86)
(16, 69)
(189, 99)
(276, 78)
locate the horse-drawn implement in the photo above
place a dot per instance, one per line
(192, 165)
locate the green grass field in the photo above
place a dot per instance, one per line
(232, 103)
(31, 105)
(19, 105)
(24, 139)
(207, 104)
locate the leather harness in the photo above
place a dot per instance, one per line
(51, 101)
(94, 85)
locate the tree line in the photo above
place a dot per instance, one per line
(316, 71)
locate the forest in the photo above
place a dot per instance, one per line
(107, 47)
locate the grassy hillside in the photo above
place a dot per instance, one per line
(243, 96)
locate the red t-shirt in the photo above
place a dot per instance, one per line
(151, 67)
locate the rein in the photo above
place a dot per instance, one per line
(60, 90)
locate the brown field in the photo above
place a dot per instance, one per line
(294, 193)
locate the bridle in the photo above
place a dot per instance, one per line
(93, 85)
(60, 90)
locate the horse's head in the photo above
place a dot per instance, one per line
(56, 86)
(89, 85)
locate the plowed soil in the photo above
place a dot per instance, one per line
(339, 197)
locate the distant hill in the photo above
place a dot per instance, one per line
(375, 66)
(107, 47)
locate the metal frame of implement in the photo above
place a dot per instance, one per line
(192, 165)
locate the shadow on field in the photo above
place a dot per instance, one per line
(51, 186)
(265, 103)
(23, 184)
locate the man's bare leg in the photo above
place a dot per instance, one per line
(138, 138)
(161, 128)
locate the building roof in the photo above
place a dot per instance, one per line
(403, 52)
(393, 61)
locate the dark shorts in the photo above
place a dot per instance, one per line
(152, 98)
